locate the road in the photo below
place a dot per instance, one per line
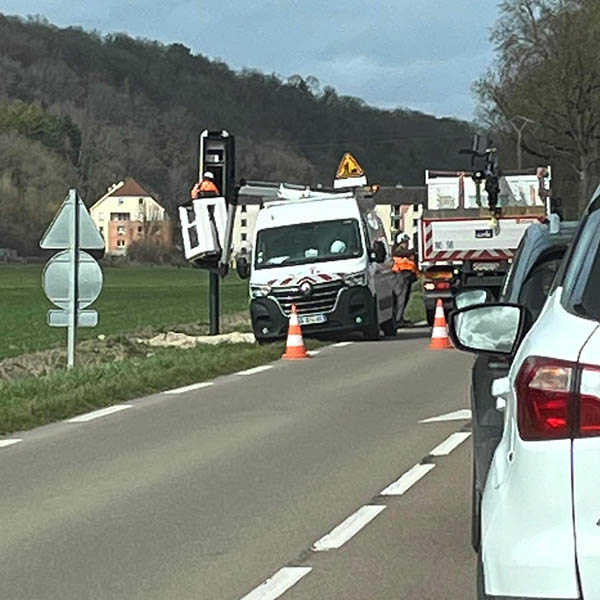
(262, 477)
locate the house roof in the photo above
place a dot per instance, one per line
(129, 187)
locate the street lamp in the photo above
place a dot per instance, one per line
(519, 129)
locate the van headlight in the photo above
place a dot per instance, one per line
(354, 279)
(260, 291)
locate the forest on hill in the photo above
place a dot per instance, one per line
(78, 109)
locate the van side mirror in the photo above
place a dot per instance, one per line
(242, 266)
(378, 253)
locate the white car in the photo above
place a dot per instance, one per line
(540, 514)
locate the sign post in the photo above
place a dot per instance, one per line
(72, 279)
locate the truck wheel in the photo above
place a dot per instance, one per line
(430, 316)
(390, 328)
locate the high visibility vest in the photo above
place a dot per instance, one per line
(404, 264)
(208, 185)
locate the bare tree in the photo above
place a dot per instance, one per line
(548, 71)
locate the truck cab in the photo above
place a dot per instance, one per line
(328, 255)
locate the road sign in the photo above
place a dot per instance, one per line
(349, 173)
(57, 275)
(60, 318)
(58, 235)
(72, 279)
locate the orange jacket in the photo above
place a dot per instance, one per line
(206, 185)
(404, 264)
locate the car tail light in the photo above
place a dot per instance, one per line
(429, 286)
(544, 397)
(589, 402)
(442, 285)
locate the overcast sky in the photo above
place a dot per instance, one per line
(421, 54)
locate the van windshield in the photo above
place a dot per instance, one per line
(308, 243)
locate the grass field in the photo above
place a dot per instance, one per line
(131, 299)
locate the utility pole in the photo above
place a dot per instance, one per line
(519, 129)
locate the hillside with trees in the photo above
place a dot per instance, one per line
(82, 110)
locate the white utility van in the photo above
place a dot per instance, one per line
(328, 254)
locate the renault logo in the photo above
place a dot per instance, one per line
(306, 289)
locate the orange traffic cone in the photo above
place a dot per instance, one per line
(439, 335)
(295, 344)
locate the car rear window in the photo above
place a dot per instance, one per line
(581, 280)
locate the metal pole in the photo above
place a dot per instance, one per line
(519, 130)
(73, 280)
(214, 302)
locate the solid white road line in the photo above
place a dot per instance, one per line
(457, 415)
(190, 388)
(255, 370)
(407, 480)
(342, 344)
(453, 441)
(99, 413)
(348, 528)
(9, 442)
(277, 585)
(313, 352)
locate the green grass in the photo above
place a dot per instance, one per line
(28, 402)
(131, 299)
(415, 309)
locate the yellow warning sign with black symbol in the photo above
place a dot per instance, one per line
(349, 167)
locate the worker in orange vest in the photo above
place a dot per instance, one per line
(406, 267)
(205, 187)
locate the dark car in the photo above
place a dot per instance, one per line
(528, 283)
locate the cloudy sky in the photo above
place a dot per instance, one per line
(421, 54)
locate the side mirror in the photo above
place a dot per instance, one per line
(466, 298)
(378, 253)
(242, 266)
(488, 329)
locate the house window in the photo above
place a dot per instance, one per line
(416, 207)
(141, 201)
(244, 222)
(139, 229)
(244, 208)
(415, 222)
(120, 243)
(100, 216)
(121, 200)
(119, 216)
(121, 229)
(244, 237)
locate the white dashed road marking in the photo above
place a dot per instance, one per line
(103, 412)
(348, 528)
(342, 344)
(455, 440)
(190, 388)
(277, 585)
(407, 480)
(255, 370)
(9, 442)
(458, 415)
(313, 352)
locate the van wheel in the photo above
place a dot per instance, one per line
(390, 328)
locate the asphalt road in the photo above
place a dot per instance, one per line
(209, 493)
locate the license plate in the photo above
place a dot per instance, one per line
(486, 266)
(311, 319)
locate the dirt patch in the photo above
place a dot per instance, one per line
(138, 343)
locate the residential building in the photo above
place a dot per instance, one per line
(128, 213)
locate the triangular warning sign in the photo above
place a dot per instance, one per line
(349, 167)
(61, 231)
